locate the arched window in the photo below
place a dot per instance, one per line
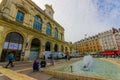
(37, 23)
(20, 16)
(48, 29)
(56, 48)
(47, 46)
(56, 33)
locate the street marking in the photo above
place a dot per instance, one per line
(23, 70)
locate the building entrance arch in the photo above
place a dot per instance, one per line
(56, 48)
(13, 43)
(35, 48)
(47, 46)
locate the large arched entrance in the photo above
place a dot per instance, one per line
(47, 46)
(35, 48)
(13, 43)
(56, 48)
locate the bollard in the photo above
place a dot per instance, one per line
(71, 69)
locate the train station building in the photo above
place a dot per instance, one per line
(27, 30)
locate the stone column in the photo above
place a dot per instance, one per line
(44, 27)
(63, 37)
(43, 42)
(52, 47)
(68, 49)
(27, 46)
(53, 31)
(2, 38)
(58, 34)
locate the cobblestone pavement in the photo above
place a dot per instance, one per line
(23, 71)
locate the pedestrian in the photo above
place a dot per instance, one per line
(43, 63)
(10, 59)
(35, 65)
(52, 59)
(67, 56)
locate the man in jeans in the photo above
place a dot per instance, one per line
(10, 58)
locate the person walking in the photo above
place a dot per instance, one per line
(67, 56)
(52, 59)
(10, 59)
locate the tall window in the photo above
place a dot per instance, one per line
(56, 33)
(20, 16)
(37, 23)
(48, 29)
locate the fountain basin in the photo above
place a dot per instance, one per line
(100, 68)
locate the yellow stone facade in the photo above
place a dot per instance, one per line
(25, 29)
(90, 44)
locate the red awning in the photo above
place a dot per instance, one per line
(108, 52)
(118, 52)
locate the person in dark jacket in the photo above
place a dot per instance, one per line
(35, 65)
(43, 64)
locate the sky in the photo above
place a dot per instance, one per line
(84, 18)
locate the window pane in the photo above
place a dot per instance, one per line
(48, 29)
(56, 33)
(37, 23)
(20, 16)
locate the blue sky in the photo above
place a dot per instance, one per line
(108, 11)
(80, 17)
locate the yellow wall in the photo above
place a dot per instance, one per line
(89, 45)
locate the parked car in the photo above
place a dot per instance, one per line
(58, 55)
(75, 55)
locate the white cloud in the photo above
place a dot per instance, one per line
(78, 17)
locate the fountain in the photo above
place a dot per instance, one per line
(96, 68)
(87, 62)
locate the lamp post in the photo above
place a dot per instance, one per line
(85, 43)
